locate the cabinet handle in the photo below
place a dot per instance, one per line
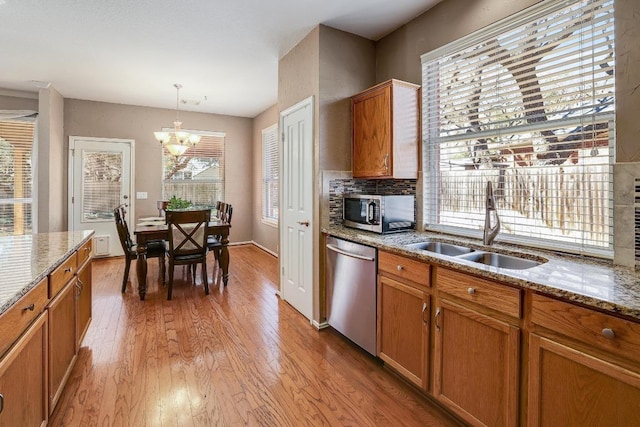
(424, 308)
(436, 319)
(608, 333)
(30, 307)
(471, 291)
(87, 249)
(1, 403)
(400, 268)
(386, 162)
(68, 270)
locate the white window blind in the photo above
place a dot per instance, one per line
(270, 175)
(198, 175)
(527, 103)
(16, 177)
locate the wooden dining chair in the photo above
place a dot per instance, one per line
(188, 242)
(155, 249)
(214, 243)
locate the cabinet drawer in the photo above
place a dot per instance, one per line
(406, 268)
(16, 319)
(610, 333)
(61, 275)
(84, 252)
(496, 296)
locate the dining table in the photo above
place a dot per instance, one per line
(146, 231)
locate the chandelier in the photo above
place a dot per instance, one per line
(177, 141)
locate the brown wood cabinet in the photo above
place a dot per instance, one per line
(62, 340)
(40, 335)
(477, 354)
(23, 397)
(504, 356)
(403, 317)
(386, 131)
(69, 317)
(83, 292)
(572, 382)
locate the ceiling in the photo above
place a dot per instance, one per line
(224, 53)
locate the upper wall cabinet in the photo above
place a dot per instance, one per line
(386, 131)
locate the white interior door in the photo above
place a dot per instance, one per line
(296, 227)
(99, 181)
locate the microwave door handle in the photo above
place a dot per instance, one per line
(370, 211)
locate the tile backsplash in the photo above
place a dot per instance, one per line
(340, 187)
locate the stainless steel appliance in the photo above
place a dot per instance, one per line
(380, 214)
(351, 291)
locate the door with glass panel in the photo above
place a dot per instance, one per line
(99, 181)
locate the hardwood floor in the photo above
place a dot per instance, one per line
(239, 356)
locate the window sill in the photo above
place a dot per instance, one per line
(270, 222)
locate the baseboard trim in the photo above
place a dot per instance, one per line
(320, 326)
(269, 251)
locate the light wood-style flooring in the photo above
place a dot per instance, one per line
(239, 356)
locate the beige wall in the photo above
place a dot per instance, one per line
(105, 120)
(398, 55)
(51, 173)
(347, 66)
(298, 79)
(330, 65)
(263, 234)
(19, 102)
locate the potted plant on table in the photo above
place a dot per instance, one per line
(176, 203)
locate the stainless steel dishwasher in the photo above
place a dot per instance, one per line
(351, 291)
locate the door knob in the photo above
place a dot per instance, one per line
(305, 223)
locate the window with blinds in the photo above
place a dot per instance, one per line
(16, 177)
(270, 175)
(198, 175)
(527, 103)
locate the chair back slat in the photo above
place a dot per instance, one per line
(188, 232)
(123, 229)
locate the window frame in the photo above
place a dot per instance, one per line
(222, 181)
(269, 154)
(430, 147)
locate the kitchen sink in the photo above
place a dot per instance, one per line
(441, 248)
(500, 260)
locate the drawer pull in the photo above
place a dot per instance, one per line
(30, 307)
(68, 270)
(400, 267)
(436, 319)
(87, 249)
(471, 291)
(608, 333)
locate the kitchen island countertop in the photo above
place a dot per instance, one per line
(26, 259)
(584, 280)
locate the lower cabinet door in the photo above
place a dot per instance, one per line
(23, 397)
(476, 365)
(568, 387)
(403, 329)
(62, 340)
(83, 289)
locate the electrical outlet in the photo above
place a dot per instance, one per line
(141, 195)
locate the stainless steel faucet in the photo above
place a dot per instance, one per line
(490, 232)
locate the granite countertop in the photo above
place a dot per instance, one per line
(27, 259)
(585, 280)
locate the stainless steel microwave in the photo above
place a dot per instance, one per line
(380, 214)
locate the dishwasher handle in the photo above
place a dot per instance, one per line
(349, 254)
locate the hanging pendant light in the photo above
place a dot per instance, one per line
(177, 142)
